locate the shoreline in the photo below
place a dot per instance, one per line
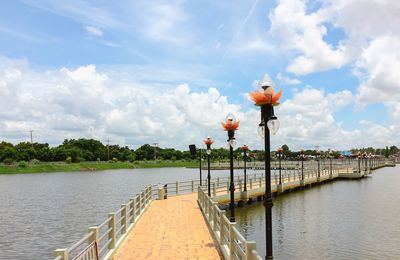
(48, 167)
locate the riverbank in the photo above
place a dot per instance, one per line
(89, 166)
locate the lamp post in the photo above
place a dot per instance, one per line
(200, 168)
(318, 154)
(359, 161)
(279, 151)
(365, 162)
(267, 99)
(302, 165)
(245, 148)
(231, 125)
(208, 142)
(330, 163)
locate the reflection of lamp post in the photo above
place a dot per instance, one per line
(245, 148)
(208, 141)
(267, 99)
(231, 125)
(279, 151)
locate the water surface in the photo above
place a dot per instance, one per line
(344, 219)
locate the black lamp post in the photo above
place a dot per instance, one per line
(365, 162)
(200, 168)
(302, 164)
(279, 151)
(231, 125)
(208, 141)
(318, 154)
(267, 99)
(330, 163)
(245, 148)
(359, 161)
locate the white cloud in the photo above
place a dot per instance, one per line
(83, 102)
(304, 34)
(96, 31)
(287, 80)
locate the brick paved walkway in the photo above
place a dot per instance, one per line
(170, 229)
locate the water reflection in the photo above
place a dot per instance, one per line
(339, 220)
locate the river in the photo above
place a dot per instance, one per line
(339, 220)
(43, 211)
(344, 219)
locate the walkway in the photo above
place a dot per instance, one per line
(170, 229)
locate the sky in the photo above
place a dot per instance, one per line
(167, 72)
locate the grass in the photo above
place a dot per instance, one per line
(89, 166)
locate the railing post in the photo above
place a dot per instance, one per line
(250, 246)
(133, 209)
(251, 184)
(214, 205)
(231, 240)
(221, 227)
(112, 234)
(260, 182)
(240, 184)
(192, 185)
(218, 181)
(227, 187)
(124, 217)
(214, 189)
(95, 236)
(177, 187)
(61, 252)
(143, 200)
(139, 206)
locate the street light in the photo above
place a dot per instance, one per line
(359, 161)
(208, 142)
(302, 165)
(279, 151)
(365, 162)
(231, 125)
(330, 163)
(319, 163)
(267, 99)
(245, 148)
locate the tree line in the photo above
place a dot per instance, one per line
(77, 150)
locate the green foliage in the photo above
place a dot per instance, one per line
(22, 164)
(8, 161)
(34, 161)
(68, 159)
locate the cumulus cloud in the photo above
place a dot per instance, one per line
(304, 34)
(84, 102)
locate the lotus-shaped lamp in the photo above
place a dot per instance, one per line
(230, 124)
(245, 147)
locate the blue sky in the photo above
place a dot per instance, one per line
(132, 51)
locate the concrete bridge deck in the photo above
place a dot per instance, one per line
(170, 229)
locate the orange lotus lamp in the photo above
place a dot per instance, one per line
(266, 99)
(231, 125)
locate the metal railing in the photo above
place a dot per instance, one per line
(231, 243)
(101, 241)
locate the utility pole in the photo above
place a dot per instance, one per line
(155, 145)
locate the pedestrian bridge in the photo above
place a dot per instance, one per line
(180, 221)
